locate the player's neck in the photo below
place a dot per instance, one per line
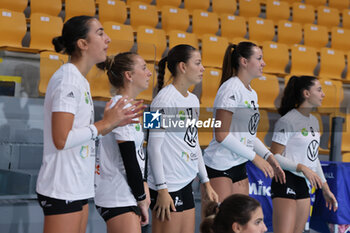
(182, 86)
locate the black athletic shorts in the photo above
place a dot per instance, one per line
(235, 173)
(52, 206)
(294, 188)
(108, 213)
(183, 198)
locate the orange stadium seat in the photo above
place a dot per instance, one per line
(332, 63)
(175, 19)
(174, 3)
(291, 1)
(267, 88)
(129, 2)
(112, 10)
(205, 135)
(43, 28)
(249, 8)
(264, 125)
(303, 13)
(237, 40)
(340, 39)
(328, 17)
(79, 7)
(213, 50)
(346, 137)
(50, 7)
(304, 60)
(151, 43)
(276, 57)
(316, 3)
(224, 6)
(204, 23)
(210, 86)
(331, 102)
(277, 10)
(142, 14)
(18, 5)
(339, 4)
(122, 37)
(147, 94)
(233, 26)
(348, 66)
(261, 29)
(191, 5)
(100, 86)
(179, 37)
(289, 33)
(12, 28)
(346, 18)
(315, 36)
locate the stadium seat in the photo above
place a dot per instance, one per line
(210, 86)
(204, 23)
(277, 10)
(99, 84)
(213, 50)
(346, 18)
(315, 36)
(179, 37)
(346, 137)
(291, 1)
(237, 40)
(122, 37)
(151, 43)
(233, 26)
(130, 2)
(142, 14)
(304, 60)
(264, 125)
(316, 3)
(340, 39)
(289, 33)
(50, 7)
(224, 6)
(249, 8)
(18, 5)
(261, 29)
(147, 94)
(205, 135)
(174, 3)
(328, 17)
(191, 5)
(276, 57)
(331, 102)
(12, 28)
(49, 63)
(175, 19)
(346, 156)
(339, 4)
(79, 7)
(348, 66)
(112, 10)
(43, 28)
(332, 63)
(267, 88)
(303, 13)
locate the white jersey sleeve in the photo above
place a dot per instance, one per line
(282, 132)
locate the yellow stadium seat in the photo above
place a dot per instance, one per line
(43, 28)
(100, 86)
(50, 7)
(191, 5)
(130, 2)
(330, 103)
(204, 22)
(267, 88)
(233, 26)
(12, 28)
(291, 1)
(304, 60)
(315, 36)
(346, 157)
(346, 138)
(179, 37)
(224, 6)
(213, 50)
(340, 38)
(205, 135)
(147, 94)
(151, 43)
(79, 7)
(276, 57)
(346, 18)
(249, 8)
(264, 125)
(112, 10)
(174, 3)
(122, 37)
(316, 3)
(237, 40)
(18, 5)
(289, 33)
(210, 86)
(261, 29)
(332, 63)
(348, 66)
(175, 19)
(49, 63)
(303, 13)
(277, 10)
(328, 17)
(142, 14)
(339, 4)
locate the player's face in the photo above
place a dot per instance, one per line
(315, 94)
(255, 63)
(194, 68)
(256, 223)
(97, 41)
(141, 74)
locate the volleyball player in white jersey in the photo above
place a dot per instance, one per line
(66, 176)
(295, 143)
(120, 179)
(175, 156)
(236, 106)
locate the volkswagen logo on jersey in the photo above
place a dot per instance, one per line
(312, 150)
(191, 136)
(253, 123)
(151, 120)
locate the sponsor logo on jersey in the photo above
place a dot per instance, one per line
(253, 123)
(182, 115)
(140, 153)
(137, 127)
(71, 94)
(304, 132)
(178, 201)
(282, 131)
(191, 136)
(290, 191)
(312, 150)
(185, 156)
(259, 189)
(312, 131)
(151, 120)
(97, 169)
(84, 151)
(68, 202)
(86, 97)
(232, 97)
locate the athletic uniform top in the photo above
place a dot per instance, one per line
(233, 96)
(180, 148)
(67, 174)
(301, 137)
(111, 185)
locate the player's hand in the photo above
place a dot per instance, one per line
(279, 173)
(264, 166)
(210, 194)
(312, 176)
(164, 204)
(143, 205)
(331, 201)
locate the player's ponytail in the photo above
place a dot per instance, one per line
(161, 73)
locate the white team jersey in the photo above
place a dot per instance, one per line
(233, 96)
(67, 174)
(111, 185)
(301, 137)
(180, 146)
